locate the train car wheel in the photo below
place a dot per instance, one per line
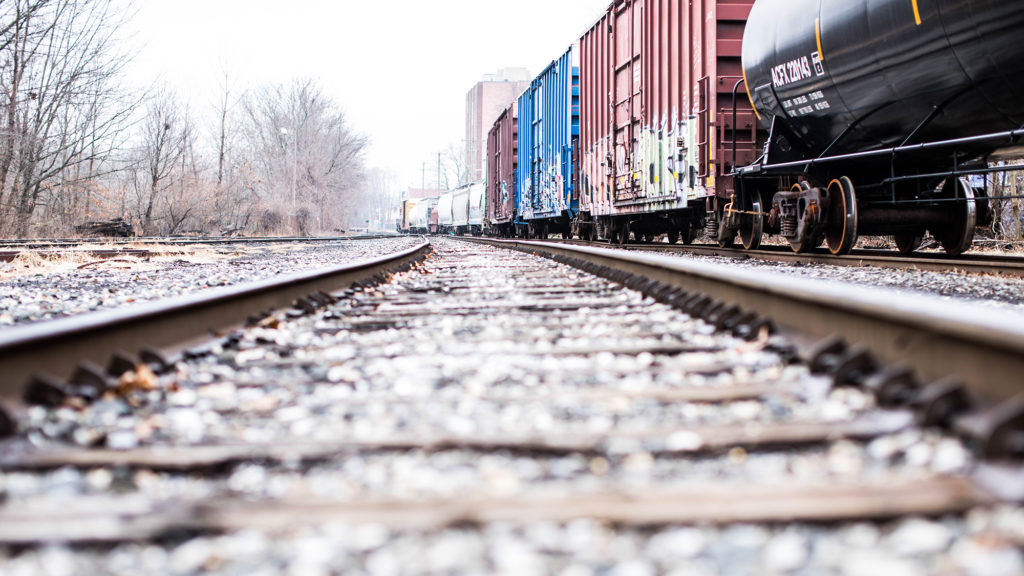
(841, 233)
(623, 233)
(673, 236)
(807, 245)
(752, 229)
(689, 233)
(907, 242)
(957, 237)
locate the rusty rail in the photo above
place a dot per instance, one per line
(935, 337)
(56, 348)
(1008, 266)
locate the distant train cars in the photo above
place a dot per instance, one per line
(815, 120)
(462, 211)
(418, 216)
(502, 179)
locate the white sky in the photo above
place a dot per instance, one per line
(400, 69)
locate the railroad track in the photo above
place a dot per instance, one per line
(11, 255)
(998, 265)
(488, 390)
(12, 249)
(37, 359)
(14, 246)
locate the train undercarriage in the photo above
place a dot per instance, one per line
(810, 213)
(677, 225)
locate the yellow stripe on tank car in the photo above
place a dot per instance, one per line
(917, 12)
(749, 95)
(817, 36)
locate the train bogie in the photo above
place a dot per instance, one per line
(548, 130)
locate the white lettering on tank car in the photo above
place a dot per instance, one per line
(792, 71)
(806, 104)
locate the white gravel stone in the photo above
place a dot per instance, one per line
(981, 557)
(878, 562)
(677, 543)
(786, 552)
(915, 536)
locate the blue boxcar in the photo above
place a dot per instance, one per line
(549, 128)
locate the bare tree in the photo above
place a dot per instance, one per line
(63, 109)
(160, 169)
(308, 160)
(454, 172)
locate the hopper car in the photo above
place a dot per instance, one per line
(419, 221)
(462, 211)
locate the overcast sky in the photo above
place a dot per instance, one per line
(400, 68)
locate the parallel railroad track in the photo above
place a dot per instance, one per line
(145, 247)
(56, 243)
(999, 265)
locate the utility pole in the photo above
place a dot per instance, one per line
(438, 170)
(423, 177)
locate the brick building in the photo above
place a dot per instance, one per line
(484, 103)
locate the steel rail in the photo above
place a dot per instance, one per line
(12, 255)
(935, 337)
(57, 347)
(1008, 266)
(173, 241)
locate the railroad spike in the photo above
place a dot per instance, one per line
(305, 304)
(88, 381)
(746, 326)
(155, 360)
(999, 431)
(697, 305)
(713, 309)
(45, 390)
(328, 298)
(940, 402)
(8, 425)
(726, 317)
(894, 386)
(855, 366)
(823, 357)
(121, 362)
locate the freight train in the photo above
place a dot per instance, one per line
(817, 120)
(462, 211)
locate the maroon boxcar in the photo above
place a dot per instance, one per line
(657, 79)
(502, 141)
